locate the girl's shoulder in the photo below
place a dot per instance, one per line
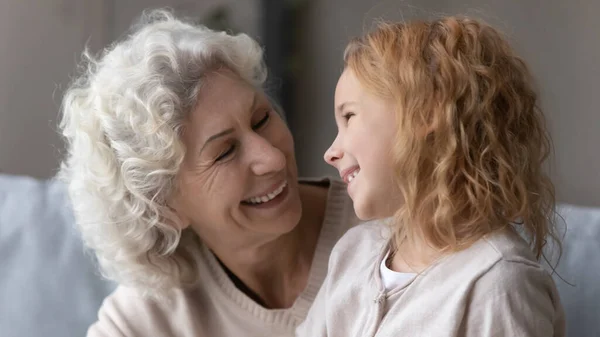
(502, 261)
(361, 243)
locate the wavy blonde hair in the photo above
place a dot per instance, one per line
(121, 119)
(471, 138)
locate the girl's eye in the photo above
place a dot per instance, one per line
(226, 153)
(262, 122)
(348, 115)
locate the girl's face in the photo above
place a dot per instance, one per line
(361, 152)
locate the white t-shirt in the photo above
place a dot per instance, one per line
(393, 279)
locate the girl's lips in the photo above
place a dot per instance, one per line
(345, 174)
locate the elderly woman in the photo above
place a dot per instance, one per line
(184, 184)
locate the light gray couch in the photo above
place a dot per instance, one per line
(49, 287)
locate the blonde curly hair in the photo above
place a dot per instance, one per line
(477, 165)
(122, 119)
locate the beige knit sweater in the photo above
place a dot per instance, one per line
(494, 288)
(216, 308)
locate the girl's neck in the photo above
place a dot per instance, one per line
(413, 257)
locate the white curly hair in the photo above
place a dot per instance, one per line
(122, 119)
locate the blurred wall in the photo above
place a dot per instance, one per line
(42, 40)
(41, 43)
(243, 15)
(559, 39)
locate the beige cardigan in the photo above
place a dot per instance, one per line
(216, 308)
(494, 288)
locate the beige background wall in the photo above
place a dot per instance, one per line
(41, 41)
(560, 39)
(40, 45)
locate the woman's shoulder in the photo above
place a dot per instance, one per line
(338, 209)
(341, 217)
(128, 312)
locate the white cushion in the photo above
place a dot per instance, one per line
(48, 286)
(580, 266)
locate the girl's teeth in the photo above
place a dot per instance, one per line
(353, 175)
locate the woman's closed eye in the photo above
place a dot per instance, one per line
(232, 147)
(227, 152)
(262, 122)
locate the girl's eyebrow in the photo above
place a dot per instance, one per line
(341, 106)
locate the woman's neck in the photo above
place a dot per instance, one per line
(277, 269)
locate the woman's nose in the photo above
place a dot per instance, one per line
(266, 157)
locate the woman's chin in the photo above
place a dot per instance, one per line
(288, 217)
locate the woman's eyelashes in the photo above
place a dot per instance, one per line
(232, 147)
(263, 121)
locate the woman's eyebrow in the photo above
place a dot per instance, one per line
(214, 137)
(230, 130)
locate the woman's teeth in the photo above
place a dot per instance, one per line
(267, 197)
(353, 175)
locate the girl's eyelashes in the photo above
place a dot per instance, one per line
(347, 116)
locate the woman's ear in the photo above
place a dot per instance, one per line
(178, 218)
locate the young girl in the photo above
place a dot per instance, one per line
(439, 130)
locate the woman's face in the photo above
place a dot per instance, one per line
(238, 181)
